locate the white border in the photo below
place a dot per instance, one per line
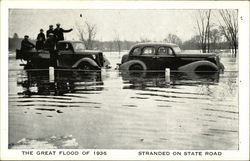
(243, 6)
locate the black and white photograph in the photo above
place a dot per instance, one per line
(124, 79)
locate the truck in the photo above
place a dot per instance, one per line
(68, 55)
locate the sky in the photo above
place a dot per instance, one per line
(131, 25)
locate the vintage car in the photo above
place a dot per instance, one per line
(159, 56)
(69, 54)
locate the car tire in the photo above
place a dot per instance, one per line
(133, 65)
(136, 67)
(84, 66)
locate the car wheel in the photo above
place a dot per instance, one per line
(84, 66)
(136, 67)
(133, 65)
(136, 70)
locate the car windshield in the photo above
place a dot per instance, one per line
(176, 49)
(79, 46)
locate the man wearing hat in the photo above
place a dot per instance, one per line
(40, 40)
(26, 44)
(58, 32)
(50, 42)
(50, 45)
(50, 30)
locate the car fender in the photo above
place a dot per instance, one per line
(124, 58)
(128, 64)
(193, 66)
(88, 60)
(106, 62)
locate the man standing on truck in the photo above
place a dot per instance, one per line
(58, 32)
(50, 45)
(50, 30)
(26, 44)
(40, 40)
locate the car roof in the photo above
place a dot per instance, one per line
(155, 44)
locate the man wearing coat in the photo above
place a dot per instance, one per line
(50, 31)
(40, 40)
(26, 44)
(50, 44)
(58, 32)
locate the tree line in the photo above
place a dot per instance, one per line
(119, 45)
(210, 36)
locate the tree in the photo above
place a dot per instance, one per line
(172, 38)
(203, 24)
(144, 39)
(230, 27)
(215, 37)
(126, 45)
(87, 33)
(117, 42)
(110, 46)
(15, 36)
(193, 43)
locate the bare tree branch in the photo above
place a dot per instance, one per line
(172, 38)
(230, 29)
(203, 24)
(87, 33)
(118, 42)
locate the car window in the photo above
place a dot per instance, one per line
(79, 46)
(170, 51)
(61, 46)
(162, 51)
(64, 46)
(148, 51)
(177, 49)
(136, 51)
(165, 51)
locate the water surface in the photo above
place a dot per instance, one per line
(114, 110)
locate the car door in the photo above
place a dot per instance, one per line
(165, 58)
(146, 55)
(66, 55)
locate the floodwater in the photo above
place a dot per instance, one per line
(113, 110)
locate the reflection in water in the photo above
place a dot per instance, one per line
(141, 80)
(112, 110)
(37, 82)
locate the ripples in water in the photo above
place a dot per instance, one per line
(113, 110)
